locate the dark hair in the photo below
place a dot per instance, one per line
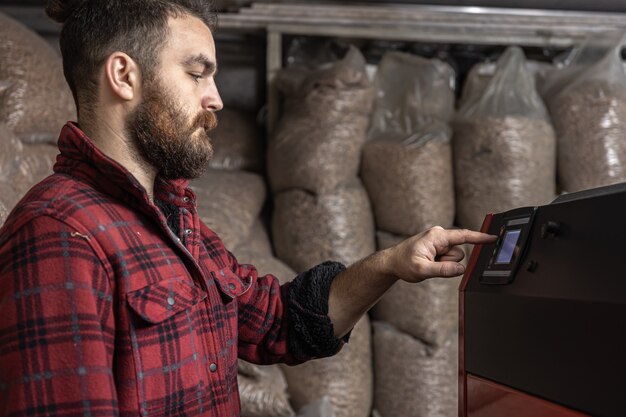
(93, 29)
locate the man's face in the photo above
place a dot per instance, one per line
(171, 124)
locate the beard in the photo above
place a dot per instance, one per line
(166, 139)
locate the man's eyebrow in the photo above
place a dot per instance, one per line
(209, 65)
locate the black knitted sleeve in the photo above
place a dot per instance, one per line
(311, 333)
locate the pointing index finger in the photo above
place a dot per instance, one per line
(460, 236)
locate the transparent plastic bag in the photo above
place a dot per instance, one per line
(411, 91)
(426, 310)
(263, 391)
(346, 378)
(237, 142)
(504, 145)
(412, 378)
(407, 162)
(320, 408)
(229, 202)
(36, 101)
(11, 149)
(309, 229)
(481, 74)
(587, 101)
(8, 199)
(317, 143)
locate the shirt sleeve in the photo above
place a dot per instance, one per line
(56, 324)
(287, 323)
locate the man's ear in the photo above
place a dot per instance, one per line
(122, 75)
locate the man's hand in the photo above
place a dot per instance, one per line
(433, 253)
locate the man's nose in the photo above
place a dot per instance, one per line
(211, 100)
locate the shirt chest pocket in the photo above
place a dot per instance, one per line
(168, 349)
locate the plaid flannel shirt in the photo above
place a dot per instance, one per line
(105, 311)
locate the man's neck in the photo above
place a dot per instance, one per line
(114, 143)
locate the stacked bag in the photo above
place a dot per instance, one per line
(321, 209)
(504, 145)
(407, 161)
(35, 102)
(408, 173)
(587, 101)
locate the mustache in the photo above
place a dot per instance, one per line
(207, 120)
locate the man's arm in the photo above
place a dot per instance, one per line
(56, 324)
(434, 253)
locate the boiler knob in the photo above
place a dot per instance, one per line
(550, 228)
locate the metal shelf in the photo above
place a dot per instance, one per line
(459, 25)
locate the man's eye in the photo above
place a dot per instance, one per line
(196, 77)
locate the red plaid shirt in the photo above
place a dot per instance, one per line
(105, 311)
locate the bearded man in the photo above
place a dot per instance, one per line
(115, 299)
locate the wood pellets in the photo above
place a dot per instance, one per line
(407, 163)
(411, 91)
(229, 202)
(410, 185)
(427, 310)
(36, 101)
(590, 121)
(309, 229)
(346, 377)
(317, 143)
(11, 149)
(38, 160)
(413, 379)
(263, 391)
(8, 199)
(237, 142)
(500, 164)
(265, 264)
(257, 240)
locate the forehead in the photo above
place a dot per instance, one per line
(188, 36)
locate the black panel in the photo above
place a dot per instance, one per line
(558, 332)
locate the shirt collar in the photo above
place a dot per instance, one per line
(81, 159)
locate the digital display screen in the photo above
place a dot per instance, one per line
(508, 246)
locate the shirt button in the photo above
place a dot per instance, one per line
(171, 301)
(188, 231)
(232, 286)
(213, 367)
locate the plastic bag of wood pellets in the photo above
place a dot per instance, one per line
(8, 200)
(427, 310)
(587, 100)
(407, 165)
(411, 91)
(237, 142)
(481, 74)
(229, 202)
(413, 379)
(320, 408)
(410, 184)
(36, 163)
(257, 240)
(37, 101)
(317, 143)
(504, 146)
(308, 229)
(265, 264)
(263, 391)
(11, 149)
(346, 377)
